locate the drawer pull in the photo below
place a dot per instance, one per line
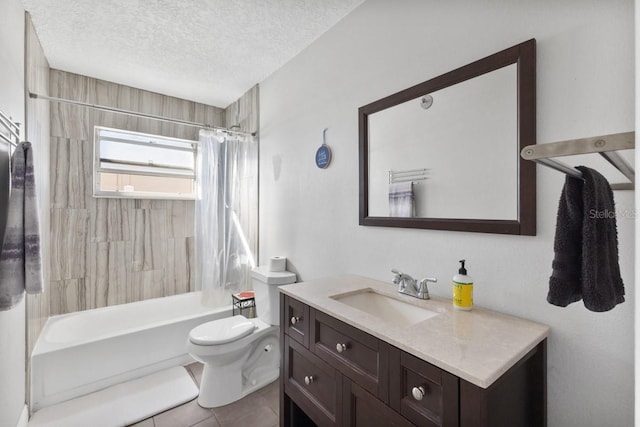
(341, 347)
(308, 379)
(418, 393)
(294, 320)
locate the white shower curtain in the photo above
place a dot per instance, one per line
(226, 215)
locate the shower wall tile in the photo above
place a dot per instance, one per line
(147, 284)
(69, 228)
(117, 274)
(178, 272)
(113, 251)
(67, 296)
(37, 130)
(110, 219)
(69, 169)
(109, 276)
(181, 219)
(245, 111)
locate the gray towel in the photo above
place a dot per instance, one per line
(401, 200)
(585, 265)
(20, 262)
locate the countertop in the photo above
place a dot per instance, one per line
(477, 346)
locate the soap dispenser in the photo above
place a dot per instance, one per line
(462, 289)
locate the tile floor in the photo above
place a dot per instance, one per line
(259, 409)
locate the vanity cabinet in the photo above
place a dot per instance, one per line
(333, 374)
(421, 392)
(354, 353)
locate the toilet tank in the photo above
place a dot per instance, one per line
(265, 287)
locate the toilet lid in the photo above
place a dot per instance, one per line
(222, 331)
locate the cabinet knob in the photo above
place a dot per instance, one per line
(308, 379)
(341, 347)
(418, 392)
(294, 320)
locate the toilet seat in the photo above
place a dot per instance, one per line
(222, 331)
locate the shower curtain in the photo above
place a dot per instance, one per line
(226, 215)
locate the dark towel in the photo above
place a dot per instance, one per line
(586, 245)
(20, 262)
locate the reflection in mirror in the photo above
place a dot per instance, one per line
(444, 154)
(458, 134)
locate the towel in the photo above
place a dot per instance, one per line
(401, 199)
(20, 261)
(585, 265)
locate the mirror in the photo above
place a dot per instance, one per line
(445, 154)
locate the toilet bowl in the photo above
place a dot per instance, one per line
(241, 355)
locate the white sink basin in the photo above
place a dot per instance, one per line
(385, 307)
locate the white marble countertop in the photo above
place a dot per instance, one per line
(477, 346)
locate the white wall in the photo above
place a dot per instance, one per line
(585, 88)
(12, 322)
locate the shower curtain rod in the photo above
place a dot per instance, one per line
(137, 114)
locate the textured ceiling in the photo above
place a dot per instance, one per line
(210, 51)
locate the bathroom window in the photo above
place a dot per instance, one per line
(142, 166)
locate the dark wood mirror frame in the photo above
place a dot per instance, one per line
(524, 55)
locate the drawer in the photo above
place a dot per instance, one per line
(294, 319)
(312, 384)
(421, 392)
(362, 409)
(356, 354)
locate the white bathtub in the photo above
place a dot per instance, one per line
(79, 353)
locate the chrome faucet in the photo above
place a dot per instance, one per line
(409, 286)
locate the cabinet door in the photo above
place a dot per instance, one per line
(294, 319)
(312, 384)
(362, 409)
(356, 354)
(421, 392)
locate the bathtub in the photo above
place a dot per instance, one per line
(82, 352)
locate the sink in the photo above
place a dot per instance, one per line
(385, 307)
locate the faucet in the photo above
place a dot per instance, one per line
(409, 286)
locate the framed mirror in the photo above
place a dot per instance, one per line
(445, 154)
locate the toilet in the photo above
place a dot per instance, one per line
(241, 355)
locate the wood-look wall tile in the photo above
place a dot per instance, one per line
(98, 274)
(130, 249)
(181, 218)
(70, 121)
(209, 116)
(178, 271)
(37, 130)
(118, 274)
(68, 243)
(158, 229)
(146, 284)
(68, 173)
(38, 312)
(149, 239)
(141, 235)
(110, 219)
(67, 296)
(109, 273)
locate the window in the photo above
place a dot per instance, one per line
(142, 166)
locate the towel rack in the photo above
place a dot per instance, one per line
(605, 145)
(408, 175)
(11, 127)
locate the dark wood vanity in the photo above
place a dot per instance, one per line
(333, 374)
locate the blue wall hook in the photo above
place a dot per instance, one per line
(323, 155)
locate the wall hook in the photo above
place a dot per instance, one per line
(323, 155)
